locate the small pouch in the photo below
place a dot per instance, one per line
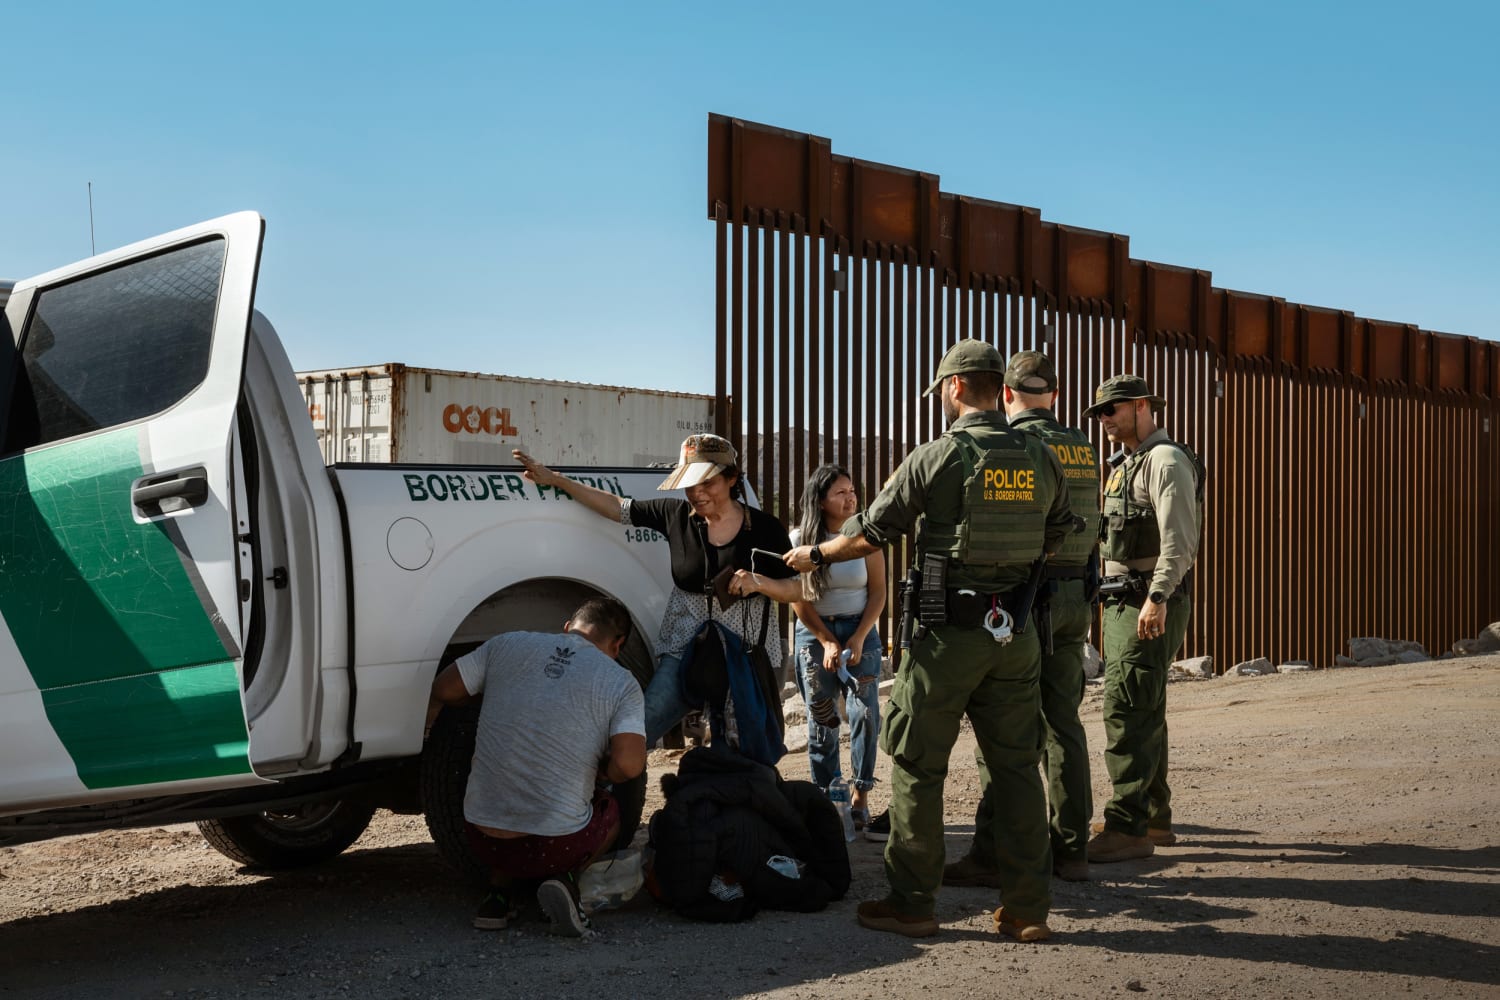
(721, 588)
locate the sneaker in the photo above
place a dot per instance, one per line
(968, 872)
(1021, 930)
(1113, 845)
(695, 727)
(879, 828)
(880, 915)
(494, 913)
(1071, 869)
(558, 898)
(861, 818)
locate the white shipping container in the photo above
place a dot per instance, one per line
(392, 413)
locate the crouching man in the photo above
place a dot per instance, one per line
(563, 714)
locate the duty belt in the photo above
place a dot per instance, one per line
(1128, 587)
(969, 607)
(1067, 572)
(1132, 587)
(991, 612)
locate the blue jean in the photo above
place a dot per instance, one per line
(863, 710)
(665, 706)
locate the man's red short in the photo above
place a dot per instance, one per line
(546, 857)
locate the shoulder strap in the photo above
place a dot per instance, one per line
(968, 451)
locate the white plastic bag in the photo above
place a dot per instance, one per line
(611, 881)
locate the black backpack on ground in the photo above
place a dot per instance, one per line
(733, 834)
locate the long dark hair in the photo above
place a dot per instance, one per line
(811, 527)
(736, 491)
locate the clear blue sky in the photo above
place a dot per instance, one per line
(520, 188)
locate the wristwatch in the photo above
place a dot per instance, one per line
(1157, 597)
(816, 555)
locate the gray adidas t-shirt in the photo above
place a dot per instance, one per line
(553, 702)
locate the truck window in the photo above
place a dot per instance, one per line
(114, 347)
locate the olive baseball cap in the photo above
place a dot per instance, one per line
(1119, 389)
(702, 457)
(1031, 371)
(967, 356)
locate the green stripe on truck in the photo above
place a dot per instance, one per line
(103, 613)
(169, 726)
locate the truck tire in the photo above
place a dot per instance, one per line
(446, 759)
(290, 837)
(445, 775)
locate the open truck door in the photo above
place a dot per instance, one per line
(123, 587)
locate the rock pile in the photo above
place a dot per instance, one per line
(1194, 668)
(1093, 663)
(1487, 641)
(1254, 668)
(794, 711)
(1368, 651)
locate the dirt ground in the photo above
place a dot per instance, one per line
(1338, 838)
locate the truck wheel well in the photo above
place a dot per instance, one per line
(539, 605)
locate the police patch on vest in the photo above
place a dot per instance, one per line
(1077, 461)
(1003, 521)
(1009, 485)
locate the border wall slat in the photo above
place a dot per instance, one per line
(1352, 464)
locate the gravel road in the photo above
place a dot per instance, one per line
(1338, 838)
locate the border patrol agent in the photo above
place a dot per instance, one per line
(1152, 528)
(1072, 577)
(984, 501)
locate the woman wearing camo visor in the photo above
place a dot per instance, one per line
(713, 529)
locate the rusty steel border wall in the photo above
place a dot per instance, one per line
(1352, 463)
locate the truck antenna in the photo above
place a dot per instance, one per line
(92, 251)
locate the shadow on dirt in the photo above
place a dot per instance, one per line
(1165, 891)
(392, 922)
(1416, 954)
(381, 920)
(413, 873)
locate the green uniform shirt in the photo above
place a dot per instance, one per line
(1080, 467)
(930, 483)
(1165, 482)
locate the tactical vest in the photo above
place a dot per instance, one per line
(1080, 465)
(1130, 528)
(1004, 522)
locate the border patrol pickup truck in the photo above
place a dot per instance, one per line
(199, 620)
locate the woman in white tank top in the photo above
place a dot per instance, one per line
(850, 598)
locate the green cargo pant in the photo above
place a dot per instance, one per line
(1070, 793)
(1135, 715)
(953, 672)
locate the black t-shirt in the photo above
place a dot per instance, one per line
(695, 562)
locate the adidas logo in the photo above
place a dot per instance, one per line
(558, 662)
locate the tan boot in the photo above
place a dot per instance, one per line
(967, 872)
(1161, 836)
(1112, 845)
(880, 915)
(1022, 930)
